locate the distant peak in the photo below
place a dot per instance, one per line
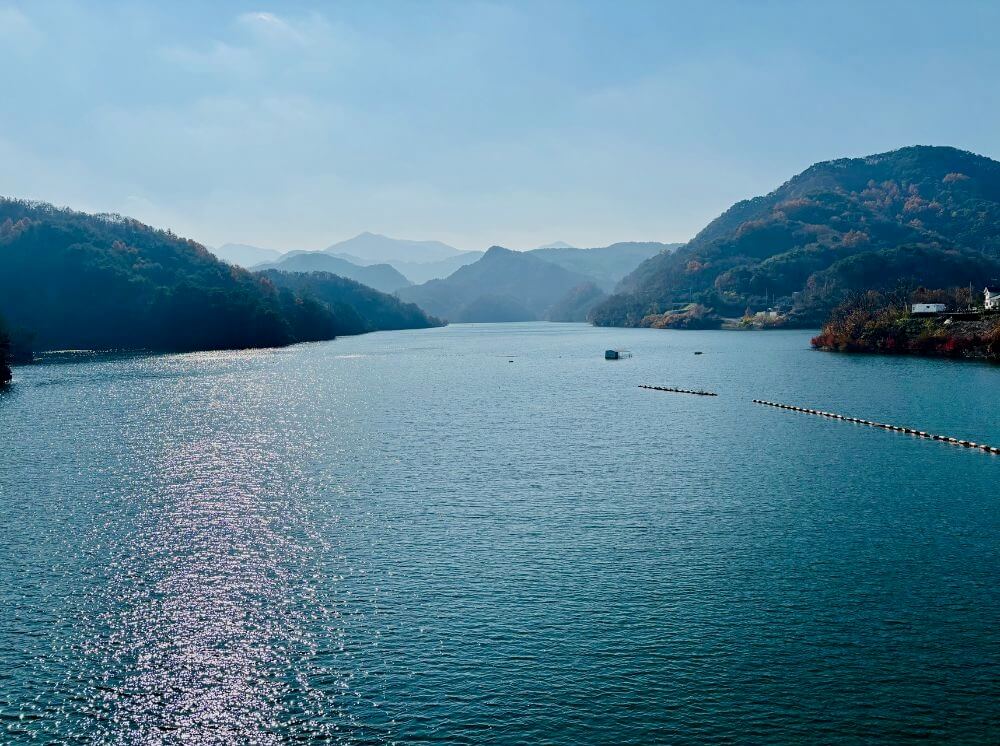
(557, 245)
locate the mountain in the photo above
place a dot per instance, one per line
(918, 215)
(557, 245)
(382, 277)
(372, 248)
(108, 282)
(577, 303)
(499, 286)
(496, 309)
(244, 255)
(419, 272)
(606, 265)
(357, 307)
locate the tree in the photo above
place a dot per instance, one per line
(5, 372)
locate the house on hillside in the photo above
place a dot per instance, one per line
(771, 313)
(991, 296)
(928, 308)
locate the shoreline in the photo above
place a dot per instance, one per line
(948, 339)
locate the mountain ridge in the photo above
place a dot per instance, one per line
(377, 248)
(83, 281)
(244, 255)
(805, 244)
(382, 277)
(519, 279)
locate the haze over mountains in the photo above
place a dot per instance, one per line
(244, 255)
(503, 285)
(389, 264)
(507, 285)
(383, 277)
(605, 265)
(416, 261)
(915, 216)
(74, 280)
(498, 285)
(373, 248)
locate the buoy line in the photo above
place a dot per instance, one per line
(881, 425)
(677, 391)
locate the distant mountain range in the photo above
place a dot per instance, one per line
(473, 286)
(419, 272)
(389, 264)
(605, 265)
(505, 285)
(383, 277)
(916, 216)
(524, 285)
(416, 261)
(372, 248)
(244, 255)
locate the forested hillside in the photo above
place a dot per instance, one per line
(577, 303)
(107, 282)
(356, 308)
(5, 355)
(382, 277)
(503, 285)
(918, 215)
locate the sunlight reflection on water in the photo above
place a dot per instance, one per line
(404, 537)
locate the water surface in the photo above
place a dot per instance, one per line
(488, 534)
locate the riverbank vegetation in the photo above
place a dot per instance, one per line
(882, 323)
(692, 316)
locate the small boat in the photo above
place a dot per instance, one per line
(616, 354)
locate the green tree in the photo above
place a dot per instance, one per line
(5, 372)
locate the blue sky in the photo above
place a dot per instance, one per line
(294, 124)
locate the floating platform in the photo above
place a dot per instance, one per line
(882, 426)
(677, 391)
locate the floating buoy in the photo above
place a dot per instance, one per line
(881, 425)
(677, 391)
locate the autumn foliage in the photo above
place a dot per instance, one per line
(881, 322)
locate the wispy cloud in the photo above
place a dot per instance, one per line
(271, 28)
(17, 30)
(260, 42)
(219, 57)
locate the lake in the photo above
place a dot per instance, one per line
(490, 534)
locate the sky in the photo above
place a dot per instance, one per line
(293, 125)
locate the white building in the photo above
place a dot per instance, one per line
(928, 308)
(992, 297)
